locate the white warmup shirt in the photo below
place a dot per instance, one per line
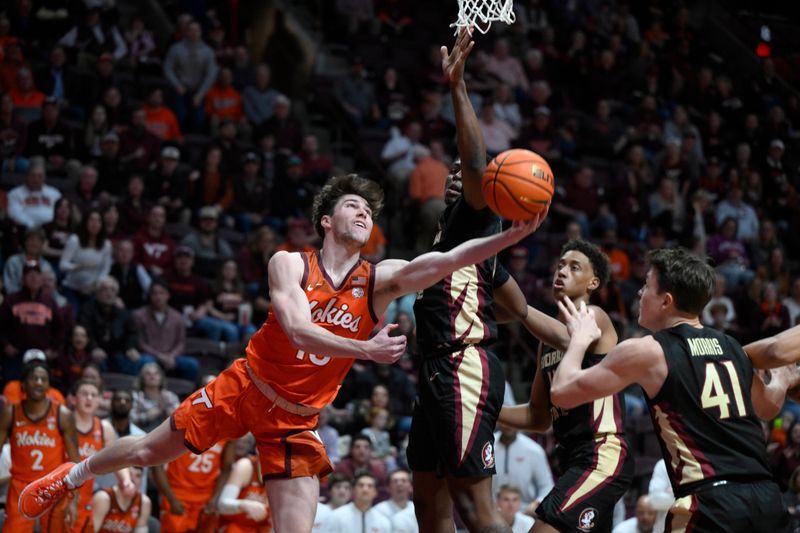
(349, 519)
(524, 465)
(390, 508)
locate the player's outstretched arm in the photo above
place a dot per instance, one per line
(623, 365)
(396, 278)
(535, 414)
(469, 137)
(290, 305)
(69, 432)
(778, 350)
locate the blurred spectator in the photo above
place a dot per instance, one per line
(208, 247)
(317, 167)
(745, 216)
(392, 97)
(97, 127)
(12, 60)
(426, 190)
(506, 108)
(772, 316)
(722, 301)
(121, 406)
(160, 119)
(134, 205)
(31, 204)
(58, 230)
(253, 259)
(359, 512)
(788, 457)
(666, 205)
(112, 170)
(102, 79)
(378, 421)
(190, 68)
(86, 259)
(229, 299)
(138, 147)
(285, 128)
(93, 37)
(153, 247)
(29, 319)
(507, 67)
(161, 335)
(398, 153)
(644, 520)
(116, 108)
(776, 271)
(250, 194)
(399, 494)
(13, 131)
(132, 278)
(328, 434)
(792, 302)
(298, 236)
(340, 489)
(767, 240)
(579, 200)
(31, 253)
(509, 505)
(213, 186)
(356, 95)
(522, 463)
(258, 99)
(730, 255)
(50, 288)
(140, 42)
(152, 401)
(497, 132)
(618, 258)
(191, 296)
(112, 331)
(67, 369)
(360, 460)
(87, 195)
(223, 101)
(168, 185)
(27, 100)
(292, 196)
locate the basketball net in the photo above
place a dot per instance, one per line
(481, 13)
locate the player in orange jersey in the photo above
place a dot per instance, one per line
(93, 435)
(325, 305)
(42, 434)
(191, 484)
(243, 502)
(115, 511)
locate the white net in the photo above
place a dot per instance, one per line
(481, 13)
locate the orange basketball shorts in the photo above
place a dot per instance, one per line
(232, 405)
(15, 522)
(180, 523)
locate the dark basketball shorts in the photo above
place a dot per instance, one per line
(459, 400)
(731, 507)
(584, 497)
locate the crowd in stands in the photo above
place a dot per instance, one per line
(145, 188)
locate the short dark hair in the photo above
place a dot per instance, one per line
(364, 473)
(509, 488)
(398, 470)
(80, 383)
(338, 186)
(598, 260)
(335, 479)
(358, 438)
(687, 277)
(33, 365)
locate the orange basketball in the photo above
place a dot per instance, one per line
(518, 184)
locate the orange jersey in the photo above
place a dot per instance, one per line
(14, 393)
(191, 477)
(119, 520)
(37, 446)
(346, 311)
(89, 443)
(256, 491)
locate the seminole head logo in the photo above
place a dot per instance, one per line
(487, 455)
(587, 518)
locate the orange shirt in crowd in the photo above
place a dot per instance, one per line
(376, 239)
(32, 100)
(620, 264)
(427, 180)
(162, 123)
(224, 102)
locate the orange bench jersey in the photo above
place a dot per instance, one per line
(119, 520)
(191, 477)
(314, 379)
(255, 490)
(89, 443)
(37, 446)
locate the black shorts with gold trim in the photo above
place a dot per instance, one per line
(730, 507)
(459, 400)
(584, 497)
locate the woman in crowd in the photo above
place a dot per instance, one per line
(152, 401)
(86, 258)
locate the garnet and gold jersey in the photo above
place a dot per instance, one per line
(703, 414)
(255, 490)
(119, 520)
(37, 446)
(458, 311)
(576, 429)
(192, 477)
(345, 310)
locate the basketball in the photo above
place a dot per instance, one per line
(517, 184)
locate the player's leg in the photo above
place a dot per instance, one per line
(472, 497)
(293, 502)
(15, 522)
(542, 527)
(432, 503)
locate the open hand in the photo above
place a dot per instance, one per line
(522, 228)
(453, 62)
(385, 348)
(255, 511)
(581, 323)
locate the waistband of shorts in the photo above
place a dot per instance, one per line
(445, 349)
(702, 486)
(277, 399)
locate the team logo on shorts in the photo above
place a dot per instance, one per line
(586, 520)
(358, 292)
(487, 455)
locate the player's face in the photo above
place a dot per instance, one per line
(36, 384)
(574, 276)
(452, 185)
(650, 302)
(352, 220)
(87, 399)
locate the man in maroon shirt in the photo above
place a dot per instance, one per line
(152, 245)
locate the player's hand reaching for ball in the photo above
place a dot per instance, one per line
(384, 348)
(522, 228)
(581, 322)
(453, 62)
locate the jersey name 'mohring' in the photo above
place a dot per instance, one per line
(334, 315)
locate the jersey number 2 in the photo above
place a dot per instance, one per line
(714, 395)
(38, 456)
